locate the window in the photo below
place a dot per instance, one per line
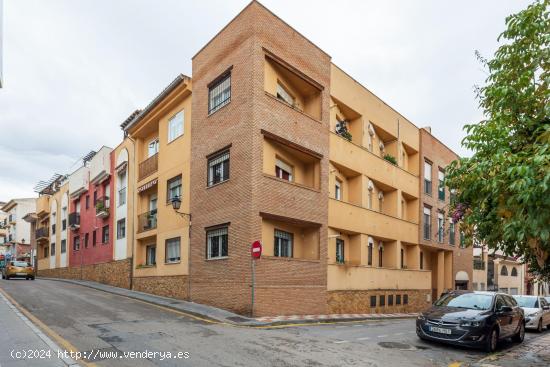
(373, 301)
(338, 190)
(105, 234)
(283, 244)
(370, 199)
(441, 185)
(382, 300)
(339, 251)
(452, 233)
(216, 243)
(122, 188)
(63, 246)
(87, 201)
(153, 147)
(219, 93)
(86, 238)
(283, 170)
(390, 299)
(427, 223)
(405, 299)
(369, 258)
(173, 252)
(218, 168)
(462, 240)
(45, 251)
(514, 272)
(421, 260)
(173, 188)
(53, 226)
(121, 228)
(504, 270)
(94, 238)
(175, 126)
(380, 255)
(151, 255)
(397, 299)
(284, 95)
(52, 249)
(440, 227)
(427, 177)
(95, 198)
(76, 243)
(402, 259)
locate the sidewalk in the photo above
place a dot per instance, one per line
(19, 335)
(214, 314)
(529, 354)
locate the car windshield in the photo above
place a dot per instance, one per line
(528, 302)
(21, 264)
(472, 301)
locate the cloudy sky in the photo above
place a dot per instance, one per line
(74, 70)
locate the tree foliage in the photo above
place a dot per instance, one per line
(503, 189)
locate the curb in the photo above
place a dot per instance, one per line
(246, 321)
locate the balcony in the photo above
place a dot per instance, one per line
(42, 233)
(147, 221)
(358, 277)
(42, 205)
(356, 219)
(74, 221)
(359, 159)
(148, 166)
(102, 207)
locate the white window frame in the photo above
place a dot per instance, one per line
(219, 93)
(176, 126)
(213, 162)
(153, 147)
(340, 251)
(177, 188)
(279, 245)
(118, 228)
(283, 166)
(173, 247)
(218, 233)
(338, 190)
(284, 94)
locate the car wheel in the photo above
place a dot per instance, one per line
(539, 326)
(492, 341)
(518, 338)
(32, 278)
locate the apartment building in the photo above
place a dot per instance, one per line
(162, 141)
(442, 245)
(3, 229)
(17, 243)
(494, 271)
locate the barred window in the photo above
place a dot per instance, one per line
(121, 228)
(216, 243)
(219, 93)
(283, 244)
(173, 253)
(218, 168)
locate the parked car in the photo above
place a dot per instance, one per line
(537, 312)
(474, 319)
(18, 269)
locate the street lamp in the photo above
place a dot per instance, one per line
(176, 205)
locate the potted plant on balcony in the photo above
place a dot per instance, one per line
(390, 158)
(342, 130)
(101, 209)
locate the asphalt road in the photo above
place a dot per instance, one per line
(94, 321)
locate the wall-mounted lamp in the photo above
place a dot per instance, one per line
(176, 205)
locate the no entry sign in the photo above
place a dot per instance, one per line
(256, 250)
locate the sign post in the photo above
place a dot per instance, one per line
(256, 252)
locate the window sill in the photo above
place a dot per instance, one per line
(146, 266)
(176, 138)
(217, 184)
(172, 263)
(219, 108)
(280, 258)
(217, 258)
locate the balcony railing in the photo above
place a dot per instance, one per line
(74, 220)
(42, 232)
(147, 221)
(102, 206)
(479, 265)
(148, 166)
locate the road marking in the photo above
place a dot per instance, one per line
(341, 341)
(381, 336)
(364, 338)
(455, 364)
(50, 333)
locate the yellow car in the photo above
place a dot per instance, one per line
(18, 269)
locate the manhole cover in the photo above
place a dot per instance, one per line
(396, 345)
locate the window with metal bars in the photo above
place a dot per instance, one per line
(283, 244)
(216, 241)
(218, 168)
(219, 93)
(339, 251)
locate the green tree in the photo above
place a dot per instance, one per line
(502, 193)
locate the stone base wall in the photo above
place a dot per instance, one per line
(360, 301)
(166, 286)
(115, 273)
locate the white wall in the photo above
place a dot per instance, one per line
(121, 181)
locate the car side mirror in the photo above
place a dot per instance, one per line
(504, 309)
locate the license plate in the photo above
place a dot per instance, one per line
(20, 274)
(440, 330)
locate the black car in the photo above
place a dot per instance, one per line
(475, 319)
